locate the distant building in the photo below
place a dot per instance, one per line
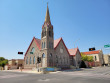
(97, 57)
(53, 53)
(107, 59)
(16, 63)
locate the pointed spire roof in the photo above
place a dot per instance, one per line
(47, 17)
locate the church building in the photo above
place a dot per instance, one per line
(52, 53)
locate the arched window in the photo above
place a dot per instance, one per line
(34, 60)
(43, 55)
(33, 50)
(42, 45)
(27, 60)
(50, 33)
(50, 54)
(30, 60)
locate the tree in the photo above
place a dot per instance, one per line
(86, 58)
(90, 59)
(3, 61)
(83, 57)
(2, 58)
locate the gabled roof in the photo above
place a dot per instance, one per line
(91, 52)
(37, 41)
(73, 51)
(56, 42)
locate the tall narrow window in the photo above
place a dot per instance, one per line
(49, 45)
(109, 59)
(45, 33)
(34, 60)
(42, 33)
(95, 58)
(50, 55)
(27, 60)
(42, 45)
(56, 59)
(30, 60)
(43, 55)
(50, 33)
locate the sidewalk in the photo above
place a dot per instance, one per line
(35, 72)
(28, 71)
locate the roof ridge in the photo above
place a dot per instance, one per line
(93, 51)
(75, 48)
(37, 38)
(59, 38)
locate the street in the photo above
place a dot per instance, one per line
(93, 75)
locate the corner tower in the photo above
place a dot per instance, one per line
(47, 41)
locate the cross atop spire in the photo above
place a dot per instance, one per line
(47, 17)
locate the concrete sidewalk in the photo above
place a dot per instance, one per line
(35, 72)
(28, 71)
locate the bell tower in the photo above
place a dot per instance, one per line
(47, 41)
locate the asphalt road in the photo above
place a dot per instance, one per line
(95, 75)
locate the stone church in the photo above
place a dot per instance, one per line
(53, 53)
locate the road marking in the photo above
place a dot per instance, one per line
(44, 80)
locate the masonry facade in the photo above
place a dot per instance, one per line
(53, 53)
(97, 57)
(107, 59)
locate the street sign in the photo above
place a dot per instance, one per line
(106, 46)
(31, 52)
(20, 52)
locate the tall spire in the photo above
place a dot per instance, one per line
(47, 17)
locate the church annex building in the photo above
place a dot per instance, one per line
(53, 53)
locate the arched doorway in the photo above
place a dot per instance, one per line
(43, 60)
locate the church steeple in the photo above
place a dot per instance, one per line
(47, 38)
(47, 17)
(47, 34)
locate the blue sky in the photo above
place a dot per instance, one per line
(83, 23)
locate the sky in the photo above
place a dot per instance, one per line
(81, 23)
